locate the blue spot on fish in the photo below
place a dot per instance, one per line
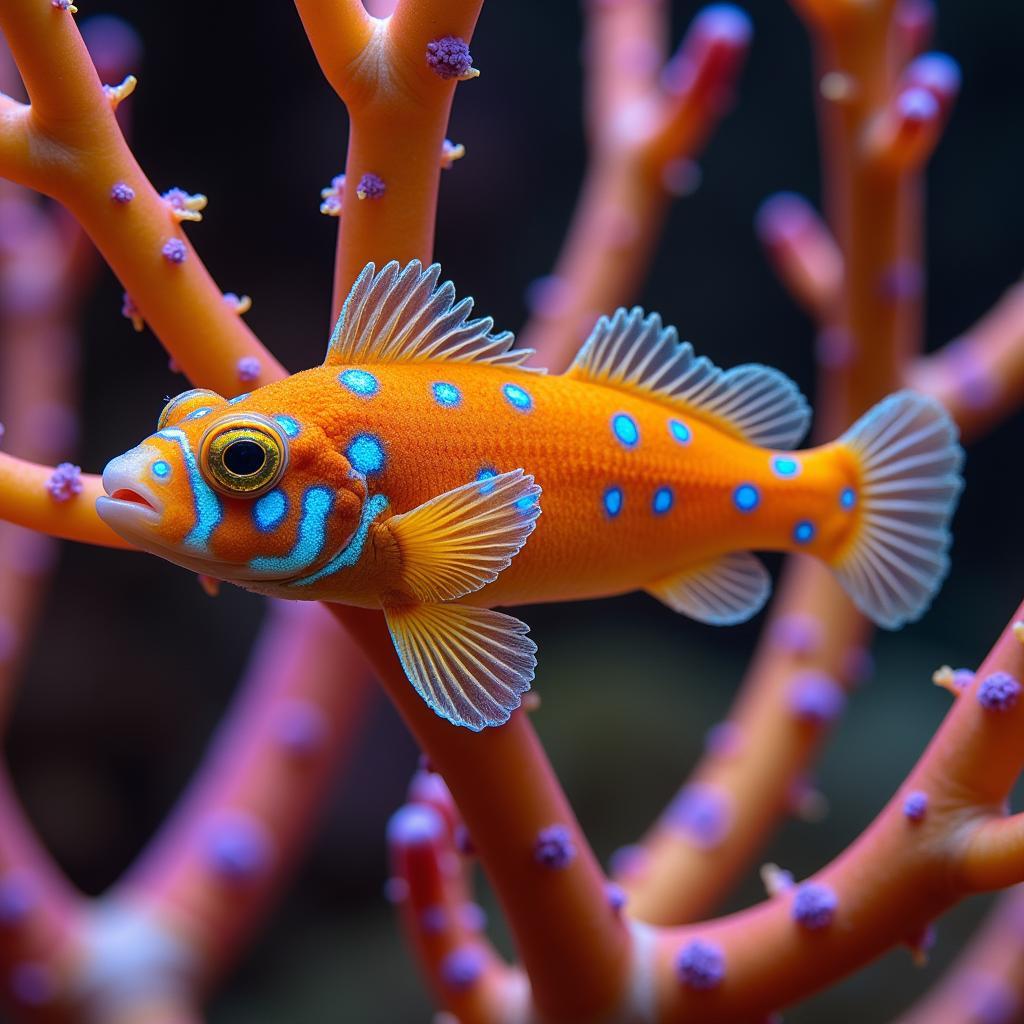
(198, 414)
(317, 503)
(785, 466)
(486, 474)
(680, 431)
(366, 454)
(746, 497)
(268, 511)
(239, 398)
(360, 382)
(663, 499)
(625, 429)
(161, 469)
(288, 425)
(517, 397)
(445, 394)
(848, 497)
(613, 501)
(349, 555)
(803, 532)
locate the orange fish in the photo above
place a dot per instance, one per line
(409, 473)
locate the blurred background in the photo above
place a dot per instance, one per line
(134, 664)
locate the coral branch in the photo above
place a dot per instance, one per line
(573, 947)
(223, 856)
(68, 144)
(903, 871)
(979, 377)
(430, 886)
(27, 499)
(803, 252)
(394, 88)
(644, 136)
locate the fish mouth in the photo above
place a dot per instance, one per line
(129, 505)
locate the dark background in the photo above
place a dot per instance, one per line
(134, 665)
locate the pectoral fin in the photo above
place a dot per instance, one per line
(471, 665)
(459, 541)
(722, 592)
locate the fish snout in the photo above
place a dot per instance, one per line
(131, 501)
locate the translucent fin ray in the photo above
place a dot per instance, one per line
(401, 314)
(633, 352)
(909, 462)
(722, 592)
(470, 665)
(459, 541)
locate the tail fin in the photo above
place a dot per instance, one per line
(909, 460)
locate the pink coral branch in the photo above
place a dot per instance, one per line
(223, 856)
(646, 125)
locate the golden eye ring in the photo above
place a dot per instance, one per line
(184, 404)
(244, 456)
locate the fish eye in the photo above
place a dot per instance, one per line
(186, 403)
(243, 457)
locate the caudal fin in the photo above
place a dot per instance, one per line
(909, 459)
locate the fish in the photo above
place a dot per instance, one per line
(425, 470)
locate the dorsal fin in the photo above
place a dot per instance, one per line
(635, 353)
(401, 314)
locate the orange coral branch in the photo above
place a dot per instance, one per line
(979, 377)
(644, 136)
(68, 144)
(572, 946)
(26, 501)
(392, 91)
(916, 859)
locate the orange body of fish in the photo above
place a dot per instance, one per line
(422, 469)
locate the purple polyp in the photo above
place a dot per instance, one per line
(122, 193)
(238, 847)
(701, 965)
(901, 280)
(797, 634)
(415, 825)
(65, 482)
(428, 787)
(915, 805)
(917, 104)
(473, 917)
(17, 898)
(703, 812)
(554, 847)
(816, 698)
(998, 692)
(174, 250)
(782, 217)
(371, 186)
(33, 984)
(615, 895)
(301, 728)
(462, 967)
(936, 72)
(723, 739)
(814, 906)
(248, 368)
(449, 57)
(433, 920)
(628, 861)
(962, 678)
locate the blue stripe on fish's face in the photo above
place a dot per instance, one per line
(353, 550)
(208, 507)
(270, 510)
(317, 503)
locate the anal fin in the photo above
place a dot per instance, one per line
(471, 665)
(722, 592)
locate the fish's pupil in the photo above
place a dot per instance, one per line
(243, 458)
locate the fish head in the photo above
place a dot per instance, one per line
(235, 489)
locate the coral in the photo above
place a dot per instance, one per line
(588, 947)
